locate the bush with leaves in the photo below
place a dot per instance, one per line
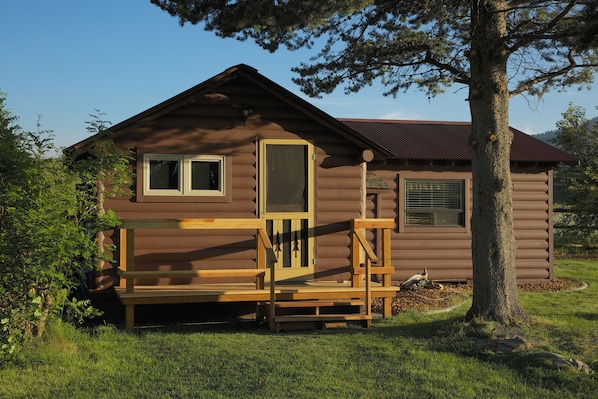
(50, 212)
(578, 136)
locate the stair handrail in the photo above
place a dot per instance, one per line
(266, 249)
(360, 245)
(370, 256)
(272, 305)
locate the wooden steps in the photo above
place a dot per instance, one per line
(323, 317)
(319, 303)
(317, 314)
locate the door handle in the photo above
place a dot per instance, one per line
(277, 242)
(296, 243)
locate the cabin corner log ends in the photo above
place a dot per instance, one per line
(364, 263)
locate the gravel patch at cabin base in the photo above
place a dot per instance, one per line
(428, 299)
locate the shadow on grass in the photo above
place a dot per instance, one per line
(587, 316)
(415, 329)
(414, 335)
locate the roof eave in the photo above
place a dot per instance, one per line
(154, 112)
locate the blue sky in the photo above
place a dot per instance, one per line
(65, 59)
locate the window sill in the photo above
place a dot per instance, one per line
(434, 229)
(183, 198)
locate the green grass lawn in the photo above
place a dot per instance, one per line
(410, 356)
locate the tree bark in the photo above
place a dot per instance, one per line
(495, 295)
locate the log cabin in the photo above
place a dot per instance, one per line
(241, 147)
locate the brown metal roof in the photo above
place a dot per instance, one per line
(389, 139)
(447, 141)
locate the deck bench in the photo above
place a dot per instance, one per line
(259, 274)
(130, 298)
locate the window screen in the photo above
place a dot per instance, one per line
(286, 178)
(164, 174)
(434, 203)
(205, 175)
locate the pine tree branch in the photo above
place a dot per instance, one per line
(526, 85)
(459, 75)
(526, 39)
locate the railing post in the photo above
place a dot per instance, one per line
(272, 307)
(127, 263)
(355, 257)
(387, 278)
(122, 255)
(260, 257)
(130, 258)
(368, 288)
(265, 255)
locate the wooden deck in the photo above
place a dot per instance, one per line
(240, 292)
(309, 297)
(315, 294)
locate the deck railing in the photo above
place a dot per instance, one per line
(362, 266)
(365, 262)
(264, 252)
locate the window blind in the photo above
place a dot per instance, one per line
(433, 194)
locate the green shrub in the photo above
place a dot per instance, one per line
(48, 225)
(579, 136)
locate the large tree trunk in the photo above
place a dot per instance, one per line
(495, 295)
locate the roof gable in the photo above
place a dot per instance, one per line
(236, 72)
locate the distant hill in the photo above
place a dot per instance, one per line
(548, 136)
(558, 188)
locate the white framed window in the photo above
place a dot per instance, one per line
(184, 175)
(434, 203)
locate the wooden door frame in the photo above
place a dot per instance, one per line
(296, 273)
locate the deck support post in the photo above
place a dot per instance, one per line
(129, 317)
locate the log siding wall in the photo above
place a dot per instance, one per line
(211, 123)
(447, 255)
